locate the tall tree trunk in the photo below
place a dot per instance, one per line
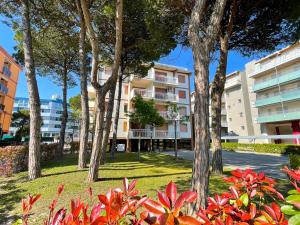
(97, 143)
(108, 118)
(34, 169)
(116, 120)
(217, 90)
(85, 117)
(64, 118)
(202, 39)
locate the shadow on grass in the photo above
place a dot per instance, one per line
(11, 195)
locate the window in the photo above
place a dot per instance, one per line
(125, 128)
(57, 126)
(243, 127)
(126, 89)
(182, 111)
(230, 119)
(183, 127)
(241, 114)
(125, 107)
(240, 100)
(182, 94)
(181, 79)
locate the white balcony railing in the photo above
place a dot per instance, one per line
(146, 134)
(276, 61)
(166, 79)
(142, 92)
(232, 82)
(166, 96)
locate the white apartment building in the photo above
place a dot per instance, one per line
(51, 112)
(274, 83)
(163, 84)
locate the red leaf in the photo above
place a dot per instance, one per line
(60, 189)
(229, 220)
(154, 207)
(171, 192)
(103, 199)
(188, 196)
(132, 185)
(95, 212)
(164, 199)
(125, 184)
(188, 220)
(253, 210)
(59, 216)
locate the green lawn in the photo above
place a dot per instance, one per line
(153, 173)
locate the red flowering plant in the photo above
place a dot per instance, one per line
(292, 208)
(245, 202)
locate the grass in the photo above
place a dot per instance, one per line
(153, 173)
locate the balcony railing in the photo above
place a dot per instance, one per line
(146, 134)
(166, 96)
(285, 115)
(142, 92)
(166, 79)
(278, 60)
(232, 82)
(281, 79)
(3, 89)
(6, 71)
(287, 95)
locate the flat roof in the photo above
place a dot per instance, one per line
(172, 67)
(278, 52)
(233, 73)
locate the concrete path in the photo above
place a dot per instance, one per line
(269, 164)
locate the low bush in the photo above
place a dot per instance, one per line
(294, 161)
(74, 146)
(263, 148)
(14, 159)
(245, 203)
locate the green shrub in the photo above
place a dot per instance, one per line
(14, 159)
(263, 148)
(294, 161)
(75, 146)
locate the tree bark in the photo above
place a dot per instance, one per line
(85, 117)
(202, 41)
(108, 119)
(217, 89)
(64, 118)
(116, 120)
(34, 169)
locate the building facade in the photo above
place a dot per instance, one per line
(51, 112)
(163, 84)
(9, 75)
(274, 83)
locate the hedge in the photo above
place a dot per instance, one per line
(75, 146)
(14, 159)
(263, 148)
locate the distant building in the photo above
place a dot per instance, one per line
(51, 112)
(163, 84)
(9, 75)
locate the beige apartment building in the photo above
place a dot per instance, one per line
(164, 84)
(264, 99)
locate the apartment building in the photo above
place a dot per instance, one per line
(51, 112)
(164, 84)
(274, 83)
(236, 96)
(9, 75)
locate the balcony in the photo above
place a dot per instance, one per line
(146, 134)
(3, 89)
(6, 71)
(165, 80)
(278, 60)
(232, 82)
(168, 97)
(288, 95)
(287, 115)
(281, 79)
(142, 92)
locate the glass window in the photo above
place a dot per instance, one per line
(125, 127)
(183, 127)
(126, 107)
(181, 79)
(182, 94)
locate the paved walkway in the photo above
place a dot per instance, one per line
(269, 164)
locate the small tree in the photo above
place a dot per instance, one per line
(21, 120)
(144, 114)
(175, 116)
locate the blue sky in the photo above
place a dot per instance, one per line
(178, 57)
